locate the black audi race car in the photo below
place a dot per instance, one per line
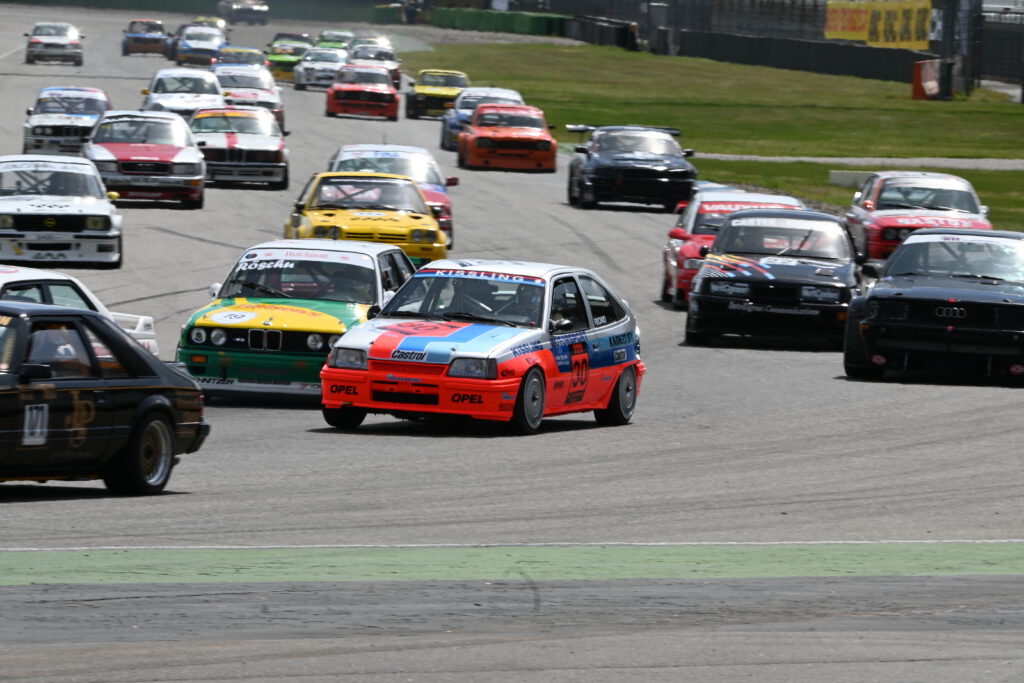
(636, 164)
(80, 399)
(774, 272)
(947, 301)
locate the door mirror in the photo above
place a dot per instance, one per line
(560, 325)
(373, 311)
(869, 270)
(214, 288)
(388, 296)
(687, 152)
(436, 210)
(580, 149)
(704, 250)
(31, 371)
(452, 181)
(984, 210)
(145, 91)
(677, 234)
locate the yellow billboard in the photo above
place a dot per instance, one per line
(880, 23)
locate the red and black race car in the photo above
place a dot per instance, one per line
(890, 205)
(363, 91)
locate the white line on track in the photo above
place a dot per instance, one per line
(614, 544)
(11, 52)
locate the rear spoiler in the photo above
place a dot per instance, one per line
(140, 328)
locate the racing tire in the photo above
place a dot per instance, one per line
(392, 118)
(694, 337)
(192, 203)
(125, 52)
(143, 466)
(855, 363)
(679, 301)
(328, 113)
(528, 412)
(281, 184)
(622, 404)
(78, 62)
(347, 419)
(666, 296)
(572, 196)
(299, 86)
(30, 60)
(411, 114)
(460, 160)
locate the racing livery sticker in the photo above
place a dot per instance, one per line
(37, 421)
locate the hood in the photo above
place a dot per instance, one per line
(437, 91)
(511, 133)
(53, 40)
(302, 315)
(250, 95)
(180, 101)
(923, 218)
(61, 120)
(434, 341)
(370, 218)
(240, 141)
(55, 204)
(804, 270)
(127, 151)
(646, 159)
(362, 87)
(916, 287)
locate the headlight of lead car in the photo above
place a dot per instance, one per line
(184, 169)
(727, 288)
(6, 221)
(315, 342)
(106, 166)
(197, 335)
(95, 222)
(480, 368)
(820, 295)
(423, 235)
(352, 359)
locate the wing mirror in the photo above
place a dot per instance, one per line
(31, 371)
(214, 288)
(145, 91)
(200, 143)
(687, 152)
(704, 250)
(677, 234)
(984, 210)
(436, 211)
(388, 296)
(856, 196)
(373, 311)
(113, 196)
(869, 270)
(452, 181)
(869, 204)
(560, 325)
(580, 149)
(28, 112)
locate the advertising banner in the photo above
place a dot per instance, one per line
(881, 23)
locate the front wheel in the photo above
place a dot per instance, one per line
(855, 359)
(529, 408)
(281, 184)
(348, 419)
(694, 337)
(623, 401)
(192, 203)
(143, 467)
(300, 86)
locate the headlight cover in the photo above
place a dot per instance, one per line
(420, 235)
(315, 342)
(184, 169)
(197, 335)
(693, 263)
(96, 222)
(351, 359)
(728, 288)
(106, 166)
(478, 368)
(820, 295)
(218, 337)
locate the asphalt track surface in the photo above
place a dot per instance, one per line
(762, 519)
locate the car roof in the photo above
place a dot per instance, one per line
(235, 48)
(141, 114)
(231, 109)
(178, 71)
(363, 67)
(152, 21)
(77, 89)
(739, 196)
(397, 149)
(787, 214)
(528, 268)
(481, 90)
(507, 106)
(364, 174)
(51, 23)
(48, 158)
(917, 174)
(1005, 234)
(442, 71)
(316, 244)
(238, 69)
(11, 273)
(19, 308)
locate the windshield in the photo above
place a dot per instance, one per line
(280, 274)
(783, 237)
(47, 178)
(186, 84)
(371, 52)
(260, 80)
(935, 196)
(509, 120)
(959, 256)
(632, 141)
(368, 193)
(335, 36)
(145, 27)
(471, 295)
(293, 50)
(143, 131)
(55, 30)
(203, 35)
(323, 56)
(420, 167)
(443, 80)
(240, 57)
(362, 76)
(474, 101)
(57, 103)
(247, 124)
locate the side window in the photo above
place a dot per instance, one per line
(23, 292)
(66, 294)
(388, 276)
(111, 367)
(567, 304)
(59, 345)
(403, 266)
(603, 306)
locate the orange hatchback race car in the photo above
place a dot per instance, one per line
(508, 136)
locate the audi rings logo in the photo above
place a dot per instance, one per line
(955, 312)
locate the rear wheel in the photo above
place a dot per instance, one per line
(623, 401)
(143, 467)
(529, 408)
(348, 419)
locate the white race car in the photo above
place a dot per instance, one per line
(182, 91)
(58, 289)
(318, 67)
(55, 209)
(251, 86)
(54, 41)
(373, 55)
(242, 144)
(61, 117)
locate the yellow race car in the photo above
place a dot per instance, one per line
(433, 91)
(373, 207)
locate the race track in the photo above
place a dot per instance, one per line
(768, 449)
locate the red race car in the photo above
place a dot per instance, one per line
(508, 136)
(363, 91)
(697, 226)
(891, 204)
